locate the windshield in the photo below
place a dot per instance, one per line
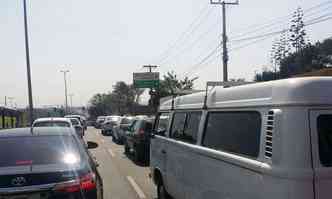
(126, 121)
(37, 150)
(74, 122)
(51, 123)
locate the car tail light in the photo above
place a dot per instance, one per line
(141, 132)
(85, 183)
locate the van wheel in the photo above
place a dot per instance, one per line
(162, 193)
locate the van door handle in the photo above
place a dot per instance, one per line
(163, 151)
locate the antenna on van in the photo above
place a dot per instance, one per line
(173, 98)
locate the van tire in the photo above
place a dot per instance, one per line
(162, 193)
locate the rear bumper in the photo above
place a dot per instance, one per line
(47, 190)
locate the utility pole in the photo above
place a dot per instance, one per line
(150, 67)
(224, 35)
(5, 100)
(71, 102)
(27, 54)
(66, 94)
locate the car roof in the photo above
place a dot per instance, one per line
(50, 119)
(293, 91)
(36, 131)
(75, 116)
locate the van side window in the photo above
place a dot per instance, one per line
(324, 129)
(185, 126)
(235, 132)
(177, 129)
(162, 123)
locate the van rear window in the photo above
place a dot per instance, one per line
(324, 129)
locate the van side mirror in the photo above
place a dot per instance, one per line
(92, 145)
(160, 132)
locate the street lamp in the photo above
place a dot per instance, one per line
(27, 54)
(66, 95)
(71, 102)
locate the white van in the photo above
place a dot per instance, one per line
(265, 140)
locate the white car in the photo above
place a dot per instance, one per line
(109, 123)
(59, 122)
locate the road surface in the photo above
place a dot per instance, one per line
(122, 177)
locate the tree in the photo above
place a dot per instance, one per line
(297, 31)
(171, 84)
(97, 106)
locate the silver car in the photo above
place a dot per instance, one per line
(60, 122)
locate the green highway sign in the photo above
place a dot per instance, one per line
(146, 83)
(146, 80)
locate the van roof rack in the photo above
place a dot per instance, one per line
(179, 92)
(224, 84)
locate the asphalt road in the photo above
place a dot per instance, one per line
(122, 177)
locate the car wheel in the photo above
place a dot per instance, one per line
(138, 154)
(162, 193)
(102, 132)
(126, 148)
(113, 139)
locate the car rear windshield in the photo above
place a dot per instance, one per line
(38, 150)
(51, 123)
(324, 128)
(126, 121)
(74, 121)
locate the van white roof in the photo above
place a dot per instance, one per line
(294, 91)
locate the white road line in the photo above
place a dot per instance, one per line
(138, 190)
(111, 153)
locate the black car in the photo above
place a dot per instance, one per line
(47, 163)
(137, 139)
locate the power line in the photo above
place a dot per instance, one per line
(189, 34)
(270, 25)
(257, 39)
(183, 34)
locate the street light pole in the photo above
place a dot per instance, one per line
(27, 54)
(66, 95)
(71, 102)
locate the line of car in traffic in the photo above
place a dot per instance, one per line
(131, 131)
(50, 160)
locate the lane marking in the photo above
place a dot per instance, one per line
(111, 153)
(138, 190)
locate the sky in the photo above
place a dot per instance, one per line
(101, 42)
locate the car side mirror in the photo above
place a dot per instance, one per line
(160, 132)
(92, 145)
(152, 134)
(78, 128)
